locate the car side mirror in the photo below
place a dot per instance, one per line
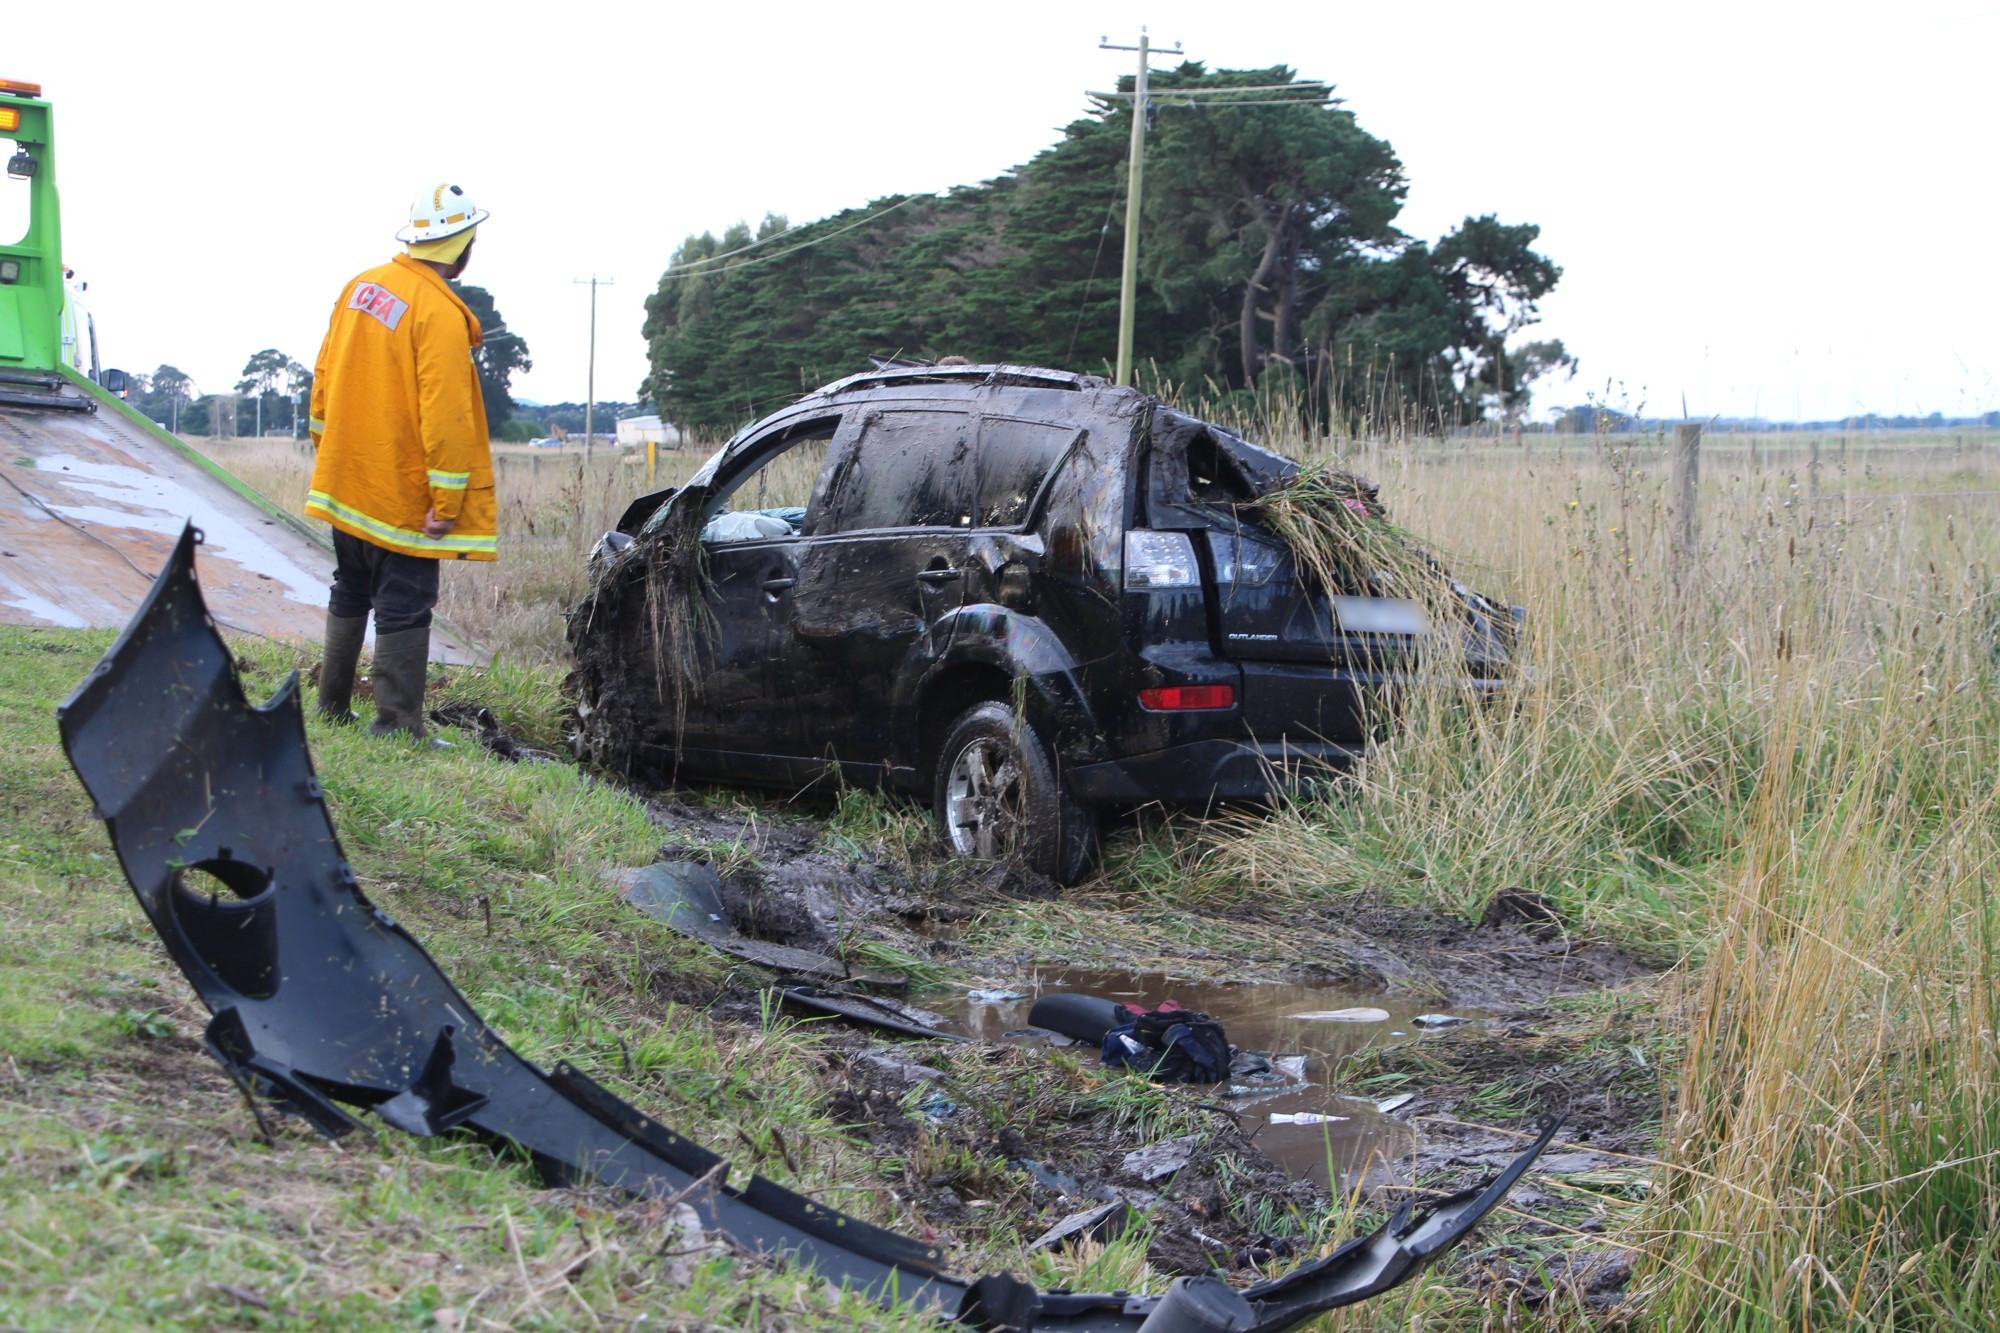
(118, 382)
(640, 510)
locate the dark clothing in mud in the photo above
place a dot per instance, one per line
(1169, 1045)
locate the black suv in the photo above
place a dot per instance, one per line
(1023, 593)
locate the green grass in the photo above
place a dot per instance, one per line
(134, 1189)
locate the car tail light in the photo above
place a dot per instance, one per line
(1159, 560)
(1187, 698)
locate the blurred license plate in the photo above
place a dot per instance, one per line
(1380, 615)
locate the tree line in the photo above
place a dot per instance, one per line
(1270, 266)
(275, 393)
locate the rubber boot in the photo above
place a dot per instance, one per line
(400, 660)
(336, 668)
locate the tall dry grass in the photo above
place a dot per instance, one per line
(1779, 766)
(1774, 768)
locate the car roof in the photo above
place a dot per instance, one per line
(968, 377)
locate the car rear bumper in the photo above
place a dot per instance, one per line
(1210, 770)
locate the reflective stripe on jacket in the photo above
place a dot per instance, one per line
(398, 418)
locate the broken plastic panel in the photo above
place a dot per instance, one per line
(325, 1006)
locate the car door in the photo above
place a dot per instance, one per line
(881, 572)
(742, 715)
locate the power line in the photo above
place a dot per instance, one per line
(1082, 305)
(696, 264)
(1165, 99)
(1220, 89)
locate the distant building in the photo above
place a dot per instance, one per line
(634, 431)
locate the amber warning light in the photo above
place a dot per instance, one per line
(20, 89)
(10, 118)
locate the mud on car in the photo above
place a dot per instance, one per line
(1023, 594)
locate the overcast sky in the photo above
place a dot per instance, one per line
(1788, 210)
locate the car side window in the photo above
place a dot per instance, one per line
(906, 470)
(770, 498)
(1015, 458)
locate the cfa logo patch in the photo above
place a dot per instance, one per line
(380, 302)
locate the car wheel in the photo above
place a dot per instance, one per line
(998, 797)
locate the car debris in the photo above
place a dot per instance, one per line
(1106, 1222)
(1358, 1014)
(322, 1004)
(1021, 594)
(686, 895)
(1155, 1160)
(883, 1015)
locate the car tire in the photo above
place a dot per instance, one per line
(996, 797)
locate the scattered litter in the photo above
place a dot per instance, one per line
(1062, 1182)
(1291, 1066)
(1163, 1158)
(1395, 1103)
(1304, 1118)
(894, 1067)
(1103, 1222)
(689, 1247)
(938, 1109)
(1361, 1014)
(994, 996)
(1438, 1020)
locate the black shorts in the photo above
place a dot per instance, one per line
(401, 589)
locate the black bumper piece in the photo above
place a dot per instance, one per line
(1214, 770)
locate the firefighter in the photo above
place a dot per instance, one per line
(402, 469)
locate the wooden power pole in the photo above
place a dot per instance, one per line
(590, 381)
(1128, 282)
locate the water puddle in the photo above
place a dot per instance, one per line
(1340, 1133)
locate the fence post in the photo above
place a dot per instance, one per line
(1686, 485)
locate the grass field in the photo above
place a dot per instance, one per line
(1774, 770)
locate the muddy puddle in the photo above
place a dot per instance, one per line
(1341, 1131)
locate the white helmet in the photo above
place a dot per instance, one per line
(440, 211)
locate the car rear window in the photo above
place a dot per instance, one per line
(1014, 460)
(907, 470)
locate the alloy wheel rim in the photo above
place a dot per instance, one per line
(983, 800)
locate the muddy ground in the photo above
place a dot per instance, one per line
(1566, 1030)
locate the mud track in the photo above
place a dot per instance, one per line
(1557, 1036)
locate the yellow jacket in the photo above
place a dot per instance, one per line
(398, 420)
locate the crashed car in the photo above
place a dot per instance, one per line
(1023, 594)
